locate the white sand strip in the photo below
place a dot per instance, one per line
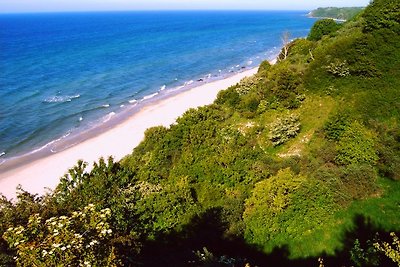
(117, 142)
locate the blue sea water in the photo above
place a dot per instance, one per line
(64, 73)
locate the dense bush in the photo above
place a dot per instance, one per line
(389, 152)
(336, 125)
(283, 129)
(82, 239)
(383, 14)
(285, 85)
(269, 199)
(264, 67)
(277, 205)
(321, 28)
(356, 145)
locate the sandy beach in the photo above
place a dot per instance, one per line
(117, 142)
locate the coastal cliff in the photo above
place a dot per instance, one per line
(336, 13)
(294, 166)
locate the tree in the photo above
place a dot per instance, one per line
(321, 28)
(285, 38)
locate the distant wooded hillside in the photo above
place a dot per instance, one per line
(342, 13)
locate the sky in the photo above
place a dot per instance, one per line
(7, 6)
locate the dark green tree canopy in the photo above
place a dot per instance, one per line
(321, 28)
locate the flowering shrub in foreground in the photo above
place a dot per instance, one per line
(82, 239)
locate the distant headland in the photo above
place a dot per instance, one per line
(336, 13)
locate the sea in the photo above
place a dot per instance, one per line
(65, 77)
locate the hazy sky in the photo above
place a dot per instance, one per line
(88, 5)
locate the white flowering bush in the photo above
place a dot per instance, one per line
(246, 84)
(338, 68)
(82, 239)
(284, 129)
(392, 251)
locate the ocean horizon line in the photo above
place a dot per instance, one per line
(148, 11)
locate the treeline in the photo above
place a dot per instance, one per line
(341, 13)
(295, 166)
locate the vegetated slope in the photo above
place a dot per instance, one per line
(298, 162)
(341, 13)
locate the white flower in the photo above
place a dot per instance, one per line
(109, 231)
(78, 235)
(63, 248)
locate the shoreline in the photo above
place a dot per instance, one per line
(335, 19)
(117, 140)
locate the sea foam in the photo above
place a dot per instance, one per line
(60, 98)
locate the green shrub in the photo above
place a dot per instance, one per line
(289, 210)
(389, 153)
(382, 14)
(321, 28)
(269, 198)
(357, 181)
(264, 67)
(230, 97)
(364, 256)
(82, 239)
(336, 125)
(285, 85)
(356, 145)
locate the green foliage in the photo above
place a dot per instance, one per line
(336, 126)
(356, 145)
(342, 13)
(366, 256)
(284, 85)
(269, 198)
(321, 28)
(300, 51)
(389, 153)
(302, 196)
(264, 67)
(82, 239)
(392, 251)
(277, 205)
(16, 213)
(283, 129)
(246, 84)
(229, 96)
(383, 14)
(175, 206)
